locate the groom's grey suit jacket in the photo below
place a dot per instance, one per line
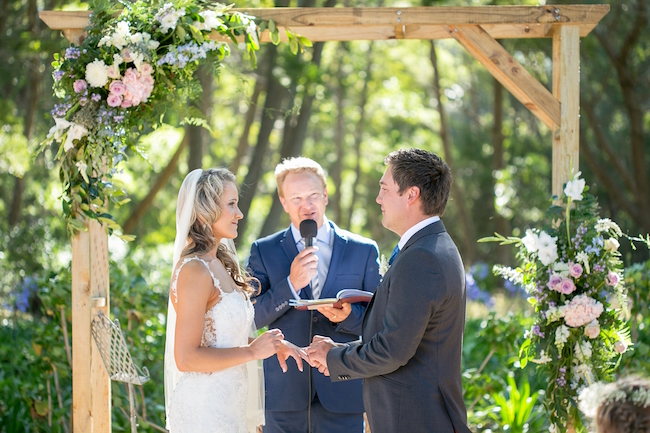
(410, 352)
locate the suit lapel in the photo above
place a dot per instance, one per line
(338, 250)
(291, 251)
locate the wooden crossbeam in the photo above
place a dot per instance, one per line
(347, 24)
(509, 72)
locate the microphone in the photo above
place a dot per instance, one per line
(308, 230)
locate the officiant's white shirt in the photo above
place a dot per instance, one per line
(416, 228)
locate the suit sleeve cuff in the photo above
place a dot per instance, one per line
(293, 291)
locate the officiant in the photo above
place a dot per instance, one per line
(307, 401)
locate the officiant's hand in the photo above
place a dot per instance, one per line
(336, 315)
(303, 268)
(287, 350)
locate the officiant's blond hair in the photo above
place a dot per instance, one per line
(296, 165)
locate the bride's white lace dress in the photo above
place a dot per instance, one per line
(215, 402)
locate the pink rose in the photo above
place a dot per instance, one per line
(146, 68)
(126, 103)
(79, 86)
(114, 100)
(620, 346)
(575, 270)
(612, 279)
(117, 87)
(130, 77)
(567, 286)
(554, 281)
(114, 71)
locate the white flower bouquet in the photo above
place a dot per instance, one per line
(572, 271)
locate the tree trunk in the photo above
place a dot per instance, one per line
(336, 172)
(31, 104)
(456, 191)
(161, 181)
(358, 134)
(270, 112)
(198, 136)
(243, 146)
(502, 225)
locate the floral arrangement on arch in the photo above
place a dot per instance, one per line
(573, 274)
(134, 63)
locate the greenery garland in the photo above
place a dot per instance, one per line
(137, 61)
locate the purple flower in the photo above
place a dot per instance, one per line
(83, 101)
(72, 53)
(575, 269)
(95, 97)
(58, 75)
(612, 279)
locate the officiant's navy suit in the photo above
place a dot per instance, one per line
(354, 265)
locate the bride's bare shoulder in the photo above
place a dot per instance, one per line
(194, 275)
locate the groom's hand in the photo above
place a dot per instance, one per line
(318, 350)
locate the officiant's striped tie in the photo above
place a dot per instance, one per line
(315, 287)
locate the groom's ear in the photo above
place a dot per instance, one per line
(412, 195)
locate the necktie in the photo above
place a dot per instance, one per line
(393, 254)
(315, 285)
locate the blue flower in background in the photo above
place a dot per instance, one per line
(24, 291)
(474, 292)
(480, 269)
(515, 289)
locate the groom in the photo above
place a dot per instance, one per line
(410, 352)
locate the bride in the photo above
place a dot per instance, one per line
(210, 316)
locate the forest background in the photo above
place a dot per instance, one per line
(346, 105)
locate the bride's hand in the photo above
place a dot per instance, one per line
(267, 344)
(287, 350)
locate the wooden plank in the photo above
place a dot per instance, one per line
(99, 295)
(440, 15)
(322, 24)
(81, 377)
(509, 72)
(566, 88)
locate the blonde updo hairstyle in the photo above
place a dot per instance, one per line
(207, 209)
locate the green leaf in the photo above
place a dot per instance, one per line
(306, 42)
(293, 46)
(180, 32)
(77, 225)
(272, 27)
(41, 407)
(196, 34)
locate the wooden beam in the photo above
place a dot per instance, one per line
(509, 72)
(347, 24)
(100, 385)
(81, 338)
(566, 88)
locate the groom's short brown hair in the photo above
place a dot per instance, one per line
(427, 171)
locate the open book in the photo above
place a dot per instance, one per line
(345, 295)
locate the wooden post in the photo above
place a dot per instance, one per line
(566, 88)
(91, 396)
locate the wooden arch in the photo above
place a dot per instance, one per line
(476, 28)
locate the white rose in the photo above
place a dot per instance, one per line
(168, 22)
(75, 132)
(611, 245)
(620, 346)
(574, 188)
(97, 73)
(136, 38)
(152, 45)
(530, 241)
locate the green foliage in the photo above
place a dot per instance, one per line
(516, 409)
